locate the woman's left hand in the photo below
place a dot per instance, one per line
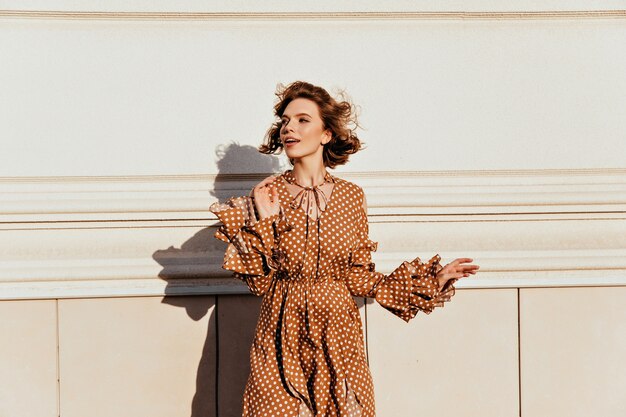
(455, 270)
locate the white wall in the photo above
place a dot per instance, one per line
(494, 130)
(122, 96)
(323, 6)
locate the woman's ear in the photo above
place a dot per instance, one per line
(328, 135)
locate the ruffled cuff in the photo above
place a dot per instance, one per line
(361, 255)
(362, 279)
(251, 249)
(413, 287)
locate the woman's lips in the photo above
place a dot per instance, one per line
(291, 142)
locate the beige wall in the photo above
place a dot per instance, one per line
(28, 350)
(572, 351)
(550, 351)
(494, 130)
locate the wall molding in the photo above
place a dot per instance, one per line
(84, 278)
(65, 237)
(43, 202)
(360, 15)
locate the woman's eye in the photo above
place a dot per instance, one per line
(303, 120)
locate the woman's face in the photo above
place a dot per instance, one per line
(302, 132)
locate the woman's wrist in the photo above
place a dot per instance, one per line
(263, 214)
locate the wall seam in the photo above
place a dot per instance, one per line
(58, 358)
(217, 357)
(519, 355)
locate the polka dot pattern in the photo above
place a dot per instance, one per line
(308, 355)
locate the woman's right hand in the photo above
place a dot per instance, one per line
(455, 270)
(266, 197)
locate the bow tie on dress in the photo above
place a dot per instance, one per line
(307, 194)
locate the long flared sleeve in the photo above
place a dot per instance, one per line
(252, 244)
(410, 288)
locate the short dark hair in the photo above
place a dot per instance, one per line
(337, 116)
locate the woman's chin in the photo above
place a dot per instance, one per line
(299, 154)
(293, 155)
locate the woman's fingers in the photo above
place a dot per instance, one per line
(458, 261)
(266, 197)
(459, 265)
(454, 275)
(456, 270)
(266, 181)
(270, 193)
(264, 185)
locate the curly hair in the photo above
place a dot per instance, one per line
(337, 116)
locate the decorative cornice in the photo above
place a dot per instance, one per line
(66, 237)
(236, 177)
(41, 201)
(93, 278)
(396, 15)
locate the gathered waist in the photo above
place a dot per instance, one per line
(306, 279)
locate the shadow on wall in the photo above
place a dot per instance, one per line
(224, 366)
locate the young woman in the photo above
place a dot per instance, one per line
(301, 241)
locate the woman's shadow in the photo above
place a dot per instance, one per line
(224, 364)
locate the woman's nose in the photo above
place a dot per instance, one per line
(288, 126)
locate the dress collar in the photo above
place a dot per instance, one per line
(309, 195)
(291, 179)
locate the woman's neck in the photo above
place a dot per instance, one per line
(309, 173)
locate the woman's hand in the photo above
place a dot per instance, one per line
(456, 270)
(266, 197)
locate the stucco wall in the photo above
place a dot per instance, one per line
(494, 130)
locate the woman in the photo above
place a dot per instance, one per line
(301, 241)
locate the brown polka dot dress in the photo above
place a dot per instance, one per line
(308, 356)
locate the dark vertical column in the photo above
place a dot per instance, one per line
(237, 317)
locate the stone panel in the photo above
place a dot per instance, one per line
(462, 360)
(129, 357)
(28, 358)
(237, 317)
(573, 342)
